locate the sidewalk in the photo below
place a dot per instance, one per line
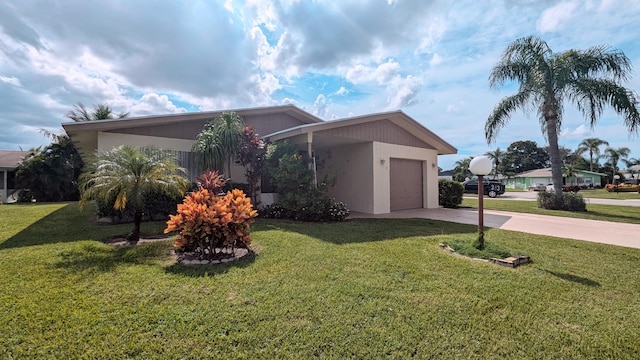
(604, 232)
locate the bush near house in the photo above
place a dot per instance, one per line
(622, 188)
(450, 193)
(300, 198)
(208, 221)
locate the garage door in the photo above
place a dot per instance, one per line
(406, 184)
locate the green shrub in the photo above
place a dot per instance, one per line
(450, 193)
(158, 206)
(569, 201)
(293, 179)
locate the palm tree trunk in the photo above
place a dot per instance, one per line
(590, 160)
(554, 155)
(134, 236)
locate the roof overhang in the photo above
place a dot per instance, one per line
(85, 134)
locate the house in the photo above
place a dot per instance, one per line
(382, 162)
(9, 160)
(446, 174)
(543, 176)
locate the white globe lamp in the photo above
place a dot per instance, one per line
(481, 166)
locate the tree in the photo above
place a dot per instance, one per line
(591, 145)
(79, 113)
(523, 156)
(461, 169)
(128, 175)
(589, 79)
(251, 155)
(496, 155)
(614, 156)
(51, 173)
(219, 141)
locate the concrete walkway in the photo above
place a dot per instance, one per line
(604, 232)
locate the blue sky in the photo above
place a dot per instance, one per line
(335, 59)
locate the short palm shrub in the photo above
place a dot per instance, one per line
(569, 201)
(450, 193)
(208, 222)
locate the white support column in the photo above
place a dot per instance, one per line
(3, 193)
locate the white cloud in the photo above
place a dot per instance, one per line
(435, 60)
(554, 18)
(381, 74)
(342, 91)
(320, 106)
(578, 133)
(11, 80)
(403, 92)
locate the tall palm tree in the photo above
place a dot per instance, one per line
(128, 175)
(461, 168)
(589, 79)
(496, 155)
(614, 156)
(592, 145)
(219, 141)
(80, 113)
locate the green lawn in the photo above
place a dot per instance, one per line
(625, 214)
(360, 289)
(604, 194)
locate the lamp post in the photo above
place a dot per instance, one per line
(616, 180)
(480, 166)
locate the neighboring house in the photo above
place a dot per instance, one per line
(382, 162)
(447, 174)
(9, 160)
(543, 176)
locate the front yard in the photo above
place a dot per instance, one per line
(358, 289)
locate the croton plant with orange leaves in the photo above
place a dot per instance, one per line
(208, 222)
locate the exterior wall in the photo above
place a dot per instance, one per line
(383, 131)
(382, 154)
(352, 166)
(108, 141)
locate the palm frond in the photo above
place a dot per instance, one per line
(502, 113)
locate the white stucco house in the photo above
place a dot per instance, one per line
(382, 162)
(9, 160)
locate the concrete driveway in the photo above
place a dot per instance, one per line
(604, 232)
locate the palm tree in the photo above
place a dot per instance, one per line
(461, 169)
(592, 145)
(614, 156)
(590, 79)
(79, 113)
(219, 141)
(128, 175)
(496, 155)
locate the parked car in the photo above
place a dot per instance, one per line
(492, 188)
(538, 187)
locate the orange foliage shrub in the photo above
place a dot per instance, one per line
(622, 188)
(206, 222)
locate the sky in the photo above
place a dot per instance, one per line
(334, 59)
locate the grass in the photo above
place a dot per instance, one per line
(360, 289)
(623, 214)
(604, 194)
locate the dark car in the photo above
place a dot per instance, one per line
(492, 188)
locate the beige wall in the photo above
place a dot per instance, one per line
(108, 141)
(353, 168)
(382, 153)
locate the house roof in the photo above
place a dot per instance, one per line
(399, 118)
(10, 159)
(85, 134)
(546, 172)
